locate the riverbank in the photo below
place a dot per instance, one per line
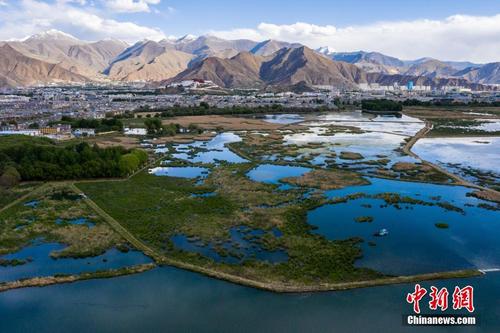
(62, 279)
(324, 287)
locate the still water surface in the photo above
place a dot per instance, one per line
(172, 300)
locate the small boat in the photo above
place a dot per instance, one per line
(382, 233)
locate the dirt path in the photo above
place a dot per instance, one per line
(407, 149)
(24, 197)
(120, 229)
(420, 134)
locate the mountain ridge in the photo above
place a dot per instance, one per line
(158, 61)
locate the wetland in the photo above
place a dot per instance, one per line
(294, 205)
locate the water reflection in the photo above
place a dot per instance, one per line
(243, 244)
(40, 263)
(180, 172)
(414, 244)
(209, 151)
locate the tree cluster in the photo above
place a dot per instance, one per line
(381, 105)
(205, 109)
(100, 125)
(34, 159)
(448, 102)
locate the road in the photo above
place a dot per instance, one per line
(407, 149)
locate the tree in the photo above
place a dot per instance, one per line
(194, 128)
(141, 155)
(153, 125)
(128, 163)
(381, 105)
(41, 159)
(10, 177)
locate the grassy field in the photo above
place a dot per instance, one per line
(445, 119)
(154, 209)
(48, 215)
(10, 195)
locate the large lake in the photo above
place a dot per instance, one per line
(172, 300)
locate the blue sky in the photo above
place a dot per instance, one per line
(443, 29)
(196, 17)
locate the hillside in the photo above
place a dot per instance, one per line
(148, 61)
(17, 69)
(286, 67)
(487, 74)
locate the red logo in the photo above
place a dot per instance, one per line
(439, 299)
(416, 297)
(463, 298)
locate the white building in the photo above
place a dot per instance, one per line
(135, 131)
(84, 132)
(28, 132)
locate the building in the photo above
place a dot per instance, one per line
(28, 132)
(410, 85)
(84, 132)
(135, 131)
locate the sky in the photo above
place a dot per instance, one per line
(444, 29)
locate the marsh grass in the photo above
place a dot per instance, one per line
(21, 224)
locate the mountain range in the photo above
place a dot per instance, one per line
(286, 67)
(374, 62)
(56, 57)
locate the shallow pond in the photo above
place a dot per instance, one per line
(183, 301)
(209, 151)
(272, 174)
(41, 264)
(180, 172)
(459, 154)
(370, 145)
(79, 221)
(32, 204)
(414, 244)
(243, 245)
(476, 152)
(403, 125)
(283, 118)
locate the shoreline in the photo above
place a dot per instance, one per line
(63, 279)
(275, 287)
(284, 288)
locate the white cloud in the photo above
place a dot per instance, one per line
(130, 6)
(458, 37)
(33, 16)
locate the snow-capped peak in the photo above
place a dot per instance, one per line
(186, 39)
(53, 34)
(326, 50)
